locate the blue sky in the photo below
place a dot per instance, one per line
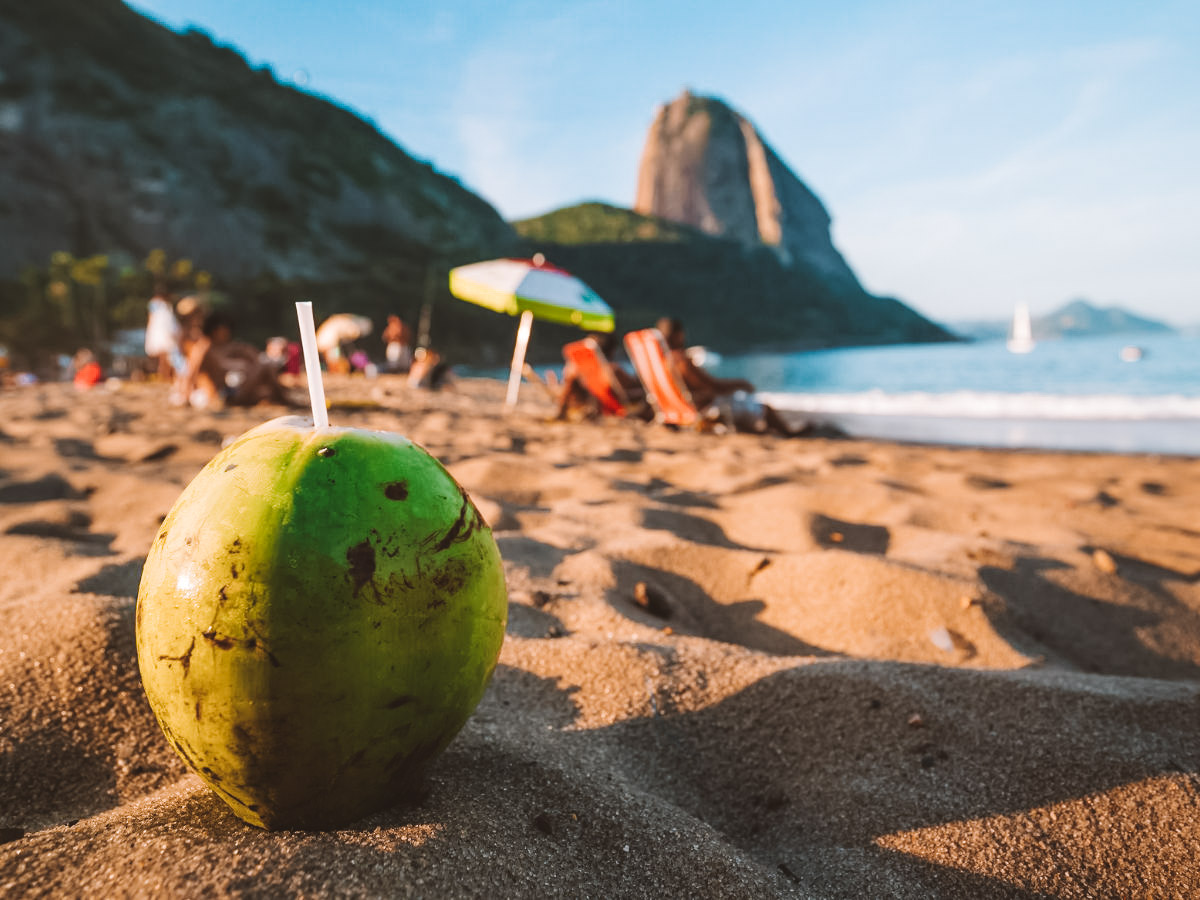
(972, 154)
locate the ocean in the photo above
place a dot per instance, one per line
(1069, 394)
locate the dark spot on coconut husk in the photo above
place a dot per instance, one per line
(450, 579)
(224, 642)
(468, 522)
(361, 558)
(231, 467)
(788, 873)
(326, 452)
(256, 644)
(243, 741)
(184, 750)
(402, 700)
(397, 490)
(184, 659)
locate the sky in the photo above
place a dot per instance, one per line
(972, 155)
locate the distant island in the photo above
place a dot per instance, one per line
(1079, 318)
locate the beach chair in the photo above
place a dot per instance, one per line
(668, 396)
(596, 374)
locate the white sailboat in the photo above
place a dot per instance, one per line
(1020, 336)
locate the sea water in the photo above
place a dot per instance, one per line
(1069, 394)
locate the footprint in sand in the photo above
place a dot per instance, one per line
(48, 487)
(984, 483)
(526, 622)
(74, 448)
(691, 528)
(116, 580)
(657, 596)
(849, 459)
(830, 532)
(73, 526)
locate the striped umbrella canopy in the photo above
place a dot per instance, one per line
(530, 288)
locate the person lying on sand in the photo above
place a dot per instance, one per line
(725, 400)
(225, 372)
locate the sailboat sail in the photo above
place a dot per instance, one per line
(1020, 338)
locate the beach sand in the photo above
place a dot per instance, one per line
(736, 666)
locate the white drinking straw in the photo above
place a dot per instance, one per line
(312, 363)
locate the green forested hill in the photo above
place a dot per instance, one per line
(119, 136)
(731, 296)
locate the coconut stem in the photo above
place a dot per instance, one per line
(312, 363)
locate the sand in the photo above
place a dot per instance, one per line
(736, 666)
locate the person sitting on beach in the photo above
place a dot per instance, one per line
(575, 400)
(190, 314)
(336, 339)
(283, 356)
(225, 372)
(162, 337)
(397, 342)
(429, 371)
(725, 400)
(86, 370)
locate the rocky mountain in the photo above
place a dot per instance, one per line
(706, 165)
(118, 133)
(1079, 318)
(733, 295)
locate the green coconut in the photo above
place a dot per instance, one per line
(317, 618)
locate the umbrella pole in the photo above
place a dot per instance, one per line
(518, 360)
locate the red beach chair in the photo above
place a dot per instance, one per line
(667, 394)
(597, 376)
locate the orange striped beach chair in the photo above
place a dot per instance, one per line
(597, 376)
(669, 397)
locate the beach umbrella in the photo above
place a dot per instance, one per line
(531, 289)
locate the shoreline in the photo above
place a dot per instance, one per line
(735, 665)
(1175, 437)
